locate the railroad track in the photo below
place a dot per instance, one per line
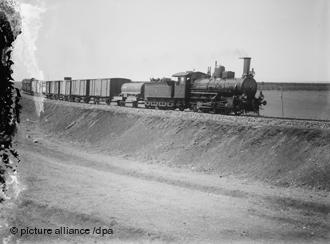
(189, 111)
(259, 116)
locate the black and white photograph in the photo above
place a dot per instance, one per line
(164, 121)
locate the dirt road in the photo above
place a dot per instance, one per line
(74, 187)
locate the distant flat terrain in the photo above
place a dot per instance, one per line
(300, 100)
(289, 86)
(305, 104)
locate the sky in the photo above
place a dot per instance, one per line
(288, 40)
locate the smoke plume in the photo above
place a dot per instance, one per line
(26, 44)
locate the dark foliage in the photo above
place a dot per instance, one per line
(9, 104)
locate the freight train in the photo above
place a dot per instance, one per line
(219, 92)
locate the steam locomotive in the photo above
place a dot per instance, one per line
(220, 92)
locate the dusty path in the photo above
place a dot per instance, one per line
(79, 188)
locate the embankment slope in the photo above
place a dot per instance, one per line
(281, 153)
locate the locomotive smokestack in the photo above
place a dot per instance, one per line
(246, 66)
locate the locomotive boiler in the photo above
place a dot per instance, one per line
(223, 93)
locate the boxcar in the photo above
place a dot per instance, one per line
(47, 92)
(26, 86)
(33, 86)
(79, 90)
(83, 90)
(65, 89)
(43, 87)
(68, 88)
(62, 90)
(53, 89)
(103, 90)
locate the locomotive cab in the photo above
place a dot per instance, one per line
(183, 84)
(169, 94)
(180, 85)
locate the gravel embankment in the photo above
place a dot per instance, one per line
(188, 115)
(276, 151)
